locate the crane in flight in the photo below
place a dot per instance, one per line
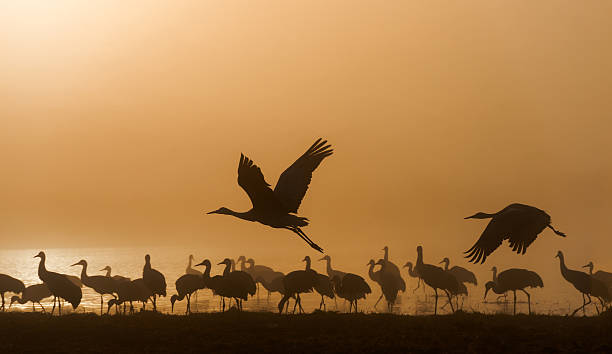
(277, 208)
(520, 224)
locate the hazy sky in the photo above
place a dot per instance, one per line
(122, 122)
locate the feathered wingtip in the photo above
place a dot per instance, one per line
(320, 147)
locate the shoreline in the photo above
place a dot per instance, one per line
(315, 332)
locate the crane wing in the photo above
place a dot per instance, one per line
(498, 229)
(293, 183)
(252, 181)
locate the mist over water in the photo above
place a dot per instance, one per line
(557, 296)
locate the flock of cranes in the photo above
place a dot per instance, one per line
(238, 285)
(520, 224)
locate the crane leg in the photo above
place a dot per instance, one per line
(355, 306)
(436, 304)
(528, 300)
(377, 301)
(101, 304)
(188, 310)
(514, 311)
(42, 307)
(59, 306)
(450, 301)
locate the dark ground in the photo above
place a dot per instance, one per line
(312, 333)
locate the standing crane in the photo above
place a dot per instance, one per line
(463, 275)
(236, 284)
(584, 283)
(295, 283)
(351, 287)
(186, 285)
(59, 285)
(117, 278)
(277, 208)
(154, 280)
(520, 224)
(600, 275)
(436, 278)
(130, 291)
(323, 285)
(389, 284)
(330, 271)
(10, 284)
(412, 272)
(34, 294)
(101, 284)
(512, 280)
(392, 268)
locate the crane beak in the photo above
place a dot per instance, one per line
(77, 263)
(485, 294)
(585, 266)
(321, 259)
(199, 264)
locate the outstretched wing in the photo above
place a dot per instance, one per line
(252, 181)
(498, 229)
(293, 183)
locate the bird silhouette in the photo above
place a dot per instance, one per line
(600, 275)
(103, 285)
(34, 294)
(154, 280)
(59, 285)
(277, 208)
(436, 278)
(512, 280)
(330, 271)
(10, 284)
(258, 271)
(412, 272)
(584, 283)
(236, 284)
(389, 284)
(323, 285)
(117, 278)
(392, 268)
(189, 269)
(351, 287)
(186, 285)
(130, 291)
(461, 274)
(374, 275)
(296, 283)
(273, 286)
(520, 224)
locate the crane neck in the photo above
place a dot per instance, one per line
(84, 276)
(419, 261)
(495, 275)
(329, 267)
(228, 269)
(41, 267)
(562, 265)
(206, 272)
(386, 257)
(446, 262)
(371, 270)
(590, 269)
(233, 263)
(307, 264)
(108, 272)
(242, 264)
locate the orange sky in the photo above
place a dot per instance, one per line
(121, 122)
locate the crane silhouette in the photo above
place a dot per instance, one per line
(520, 224)
(413, 273)
(10, 284)
(34, 294)
(389, 284)
(154, 280)
(186, 285)
(273, 286)
(277, 208)
(374, 275)
(392, 268)
(351, 287)
(101, 284)
(295, 283)
(512, 280)
(190, 270)
(60, 286)
(436, 278)
(236, 284)
(330, 271)
(130, 291)
(584, 283)
(600, 275)
(117, 278)
(323, 285)
(216, 283)
(461, 274)
(261, 272)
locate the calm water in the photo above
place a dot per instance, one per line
(173, 262)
